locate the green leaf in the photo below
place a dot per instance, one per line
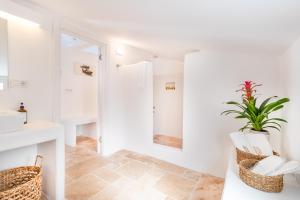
(271, 122)
(251, 109)
(260, 117)
(277, 108)
(272, 127)
(278, 119)
(240, 117)
(227, 112)
(245, 127)
(271, 106)
(264, 103)
(236, 104)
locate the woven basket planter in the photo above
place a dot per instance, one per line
(242, 155)
(22, 183)
(263, 183)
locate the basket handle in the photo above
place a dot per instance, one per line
(38, 159)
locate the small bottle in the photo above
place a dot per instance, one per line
(23, 112)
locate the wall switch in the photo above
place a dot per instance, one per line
(18, 84)
(68, 90)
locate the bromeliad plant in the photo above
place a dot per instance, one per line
(257, 116)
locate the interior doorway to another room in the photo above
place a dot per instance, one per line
(168, 103)
(80, 92)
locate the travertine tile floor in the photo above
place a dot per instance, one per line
(127, 175)
(168, 141)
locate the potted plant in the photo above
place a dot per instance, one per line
(257, 117)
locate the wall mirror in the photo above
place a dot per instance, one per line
(168, 103)
(3, 55)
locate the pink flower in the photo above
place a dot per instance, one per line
(248, 90)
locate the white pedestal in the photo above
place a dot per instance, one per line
(236, 189)
(44, 138)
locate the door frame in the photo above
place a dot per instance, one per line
(101, 80)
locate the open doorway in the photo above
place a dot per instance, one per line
(80, 98)
(168, 102)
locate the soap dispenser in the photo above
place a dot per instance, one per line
(23, 112)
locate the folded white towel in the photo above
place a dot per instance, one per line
(287, 168)
(260, 144)
(268, 165)
(240, 142)
(252, 143)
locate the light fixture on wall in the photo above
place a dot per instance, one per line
(120, 51)
(17, 19)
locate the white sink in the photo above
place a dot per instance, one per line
(10, 121)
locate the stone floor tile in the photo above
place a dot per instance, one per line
(84, 187)
(107, 194)
(133, 170)
(86, 167)
(175, 186)
(107, 175)
(169, 167)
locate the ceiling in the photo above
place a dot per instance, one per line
(69, 41)
(171, 28)
(73, 42)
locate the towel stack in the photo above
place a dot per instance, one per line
(258, 144)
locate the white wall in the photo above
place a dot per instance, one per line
(168, 115)
(290, 71)
(79, 91)
(136, 81)
(116, 132)
(164, 66)
(30, 60)
(210, 78)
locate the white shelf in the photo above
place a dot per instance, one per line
(71, 124)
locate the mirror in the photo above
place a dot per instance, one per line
(168, 103)
(3, 55)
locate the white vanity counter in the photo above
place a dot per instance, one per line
(235, 189)
(43, 138)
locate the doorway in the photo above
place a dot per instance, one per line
(80, 100)
(168, 103)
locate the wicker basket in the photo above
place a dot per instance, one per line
(22, 183)
(242, 155)
(263, 183)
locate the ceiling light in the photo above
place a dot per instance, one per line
(11, 17)
(120, 51)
